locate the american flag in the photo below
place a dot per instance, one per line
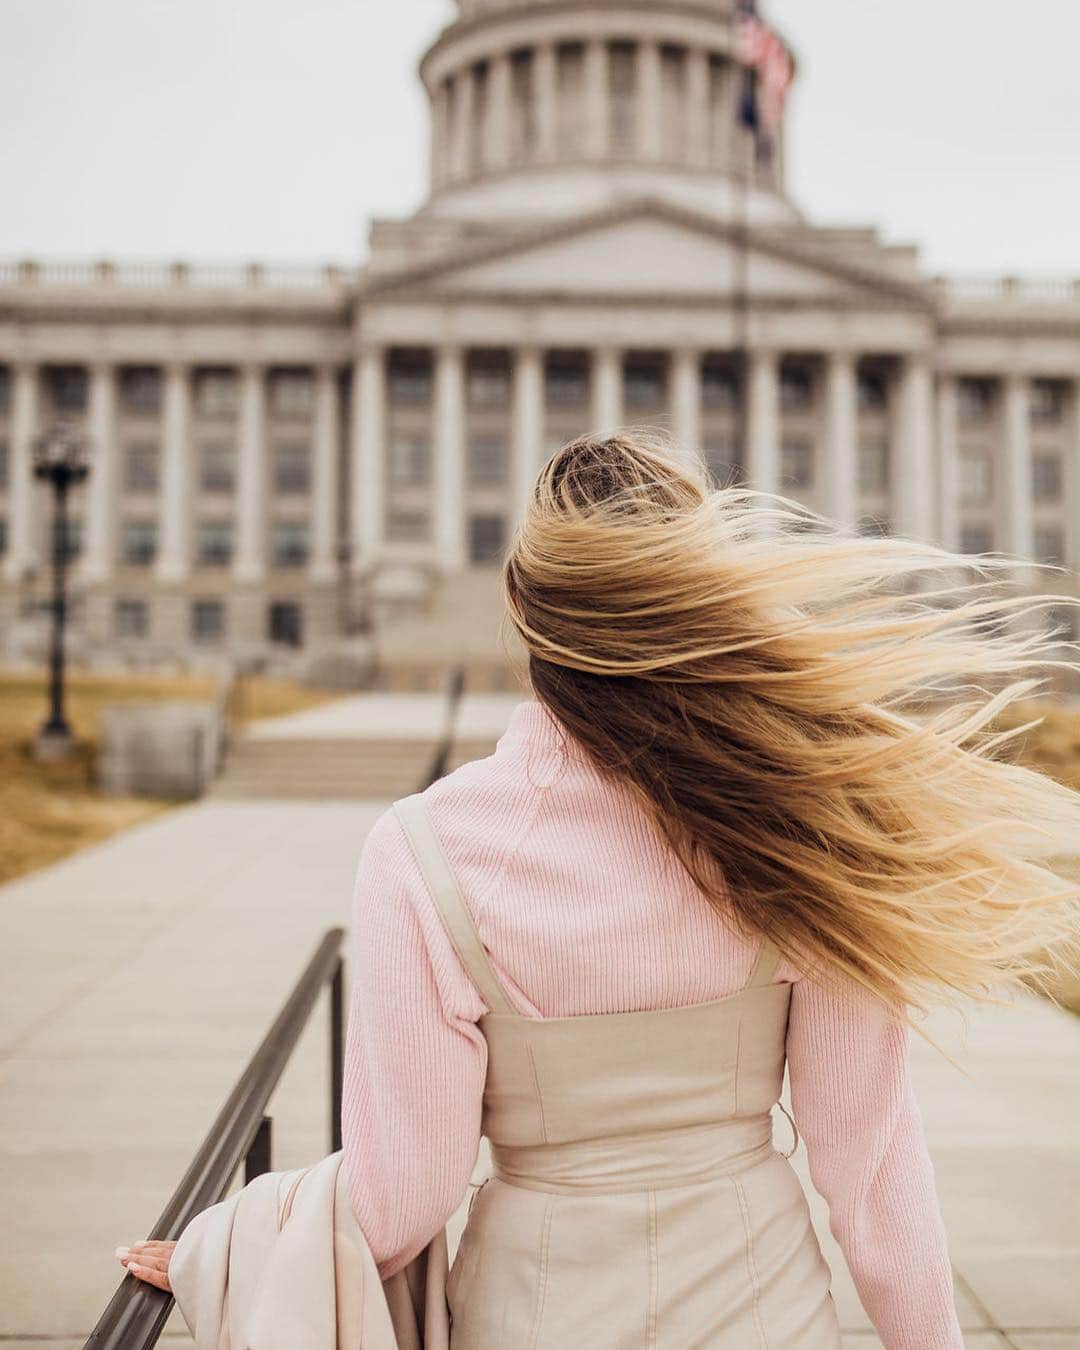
(769, 70)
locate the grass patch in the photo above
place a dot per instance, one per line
(48, 811)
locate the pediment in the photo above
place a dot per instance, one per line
(652, 253)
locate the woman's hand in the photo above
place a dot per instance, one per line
(148, 1261)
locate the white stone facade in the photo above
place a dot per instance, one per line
(281, 457)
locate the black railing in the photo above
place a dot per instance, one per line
(137, 1312)
(455, 686)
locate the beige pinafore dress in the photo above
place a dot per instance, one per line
(636, 1200)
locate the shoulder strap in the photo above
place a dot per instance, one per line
(446, 893)
(764, 967)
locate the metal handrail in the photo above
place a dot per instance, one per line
(137, 1312)
(455, 686)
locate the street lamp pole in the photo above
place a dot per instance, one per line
(60, 460)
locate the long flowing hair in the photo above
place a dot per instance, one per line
(808, 715)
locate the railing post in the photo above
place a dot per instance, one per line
(257, 1160)
(337, 1052)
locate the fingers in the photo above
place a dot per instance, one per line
(158, 1278)
(148, 1261)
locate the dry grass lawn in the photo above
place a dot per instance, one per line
(50, 810)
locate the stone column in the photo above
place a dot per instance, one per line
(99, 546)
(449, 484)
(763, 421)
(607, 390)
(546, 93)
(497, 114)
(174, 502)
(697, 107)
(440, 136)
(324, 487)
(461, 165)
(948, 464)
(22, 542)
(250, 562)
(650, 104)
(841, 497)
(596, 98)
(368, 473)
(686, 399)
(911, 460)
(1013, 485)
(528, 422)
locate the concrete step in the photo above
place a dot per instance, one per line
(360, 768)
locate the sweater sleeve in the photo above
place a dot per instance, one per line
(415, 1061)
(855, 1106)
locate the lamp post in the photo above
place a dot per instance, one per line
(60, 460)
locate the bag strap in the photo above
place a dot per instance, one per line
(764, 967)
(413, 813)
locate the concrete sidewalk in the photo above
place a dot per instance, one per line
(137, 977)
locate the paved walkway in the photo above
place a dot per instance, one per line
(137, 977)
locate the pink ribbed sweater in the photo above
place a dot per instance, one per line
(584, 909)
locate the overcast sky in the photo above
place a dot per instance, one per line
(274, 129)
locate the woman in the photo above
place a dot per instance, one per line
(713, 841)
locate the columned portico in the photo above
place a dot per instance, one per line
(1017, 534)
(449, 443)
(99, 544)
(250, 565)
(324, 502)
(841, 443)
(912, 462)
(22, 546)
(528, 423)
(174, 554)
(763, 413)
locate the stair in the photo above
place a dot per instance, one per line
(359, 768)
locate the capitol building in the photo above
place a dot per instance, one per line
(286, 460)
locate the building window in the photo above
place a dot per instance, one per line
(5, 388)
(796, 389)
(410, 457)
(410, 378)
(976, 476)
(70, 540)
(1047, 401)
(566, 380)
(67, 388)
(974, 400)
(571, 86)
(140, 390)
(207, 620)
(1046, 476)
(292, 393)
(292, 468)
(286, 623)
(139, 542)
(797, 464)
(875, 526)
(131, 618)
(722, 461)
(217, 468)
(673, 101)
(487, 459)
(142, 467)
(217, 393)
(3, 535)
(522, 106)
(976, 539)
(719, 385)
(873, 466)
(407, 525)
(1049, 544)
(289, 543)
(487, 538)
(215, 542)
(5, 464)
(873, 391)
(644, 382)
(1061, 618)
(488, 380)
(622, 97)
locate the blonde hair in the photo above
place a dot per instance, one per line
(808, 717)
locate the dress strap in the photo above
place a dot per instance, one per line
(450, 903)
(764, 967)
